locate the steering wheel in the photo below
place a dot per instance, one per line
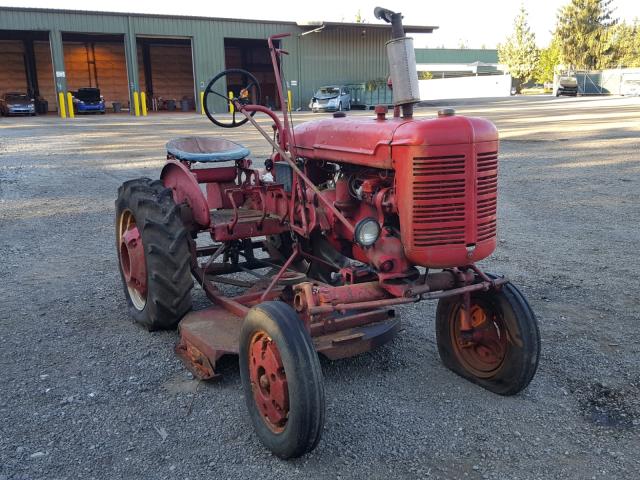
(245, 88)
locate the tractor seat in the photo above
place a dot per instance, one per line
(206, 149)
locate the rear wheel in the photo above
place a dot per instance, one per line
(282, 380)
(501, 353)
(153, 254)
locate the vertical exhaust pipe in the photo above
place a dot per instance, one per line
(402, 63)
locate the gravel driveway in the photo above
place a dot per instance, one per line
(86, 394)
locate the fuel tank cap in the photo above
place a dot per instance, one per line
(446, 112)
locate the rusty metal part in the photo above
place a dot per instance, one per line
(132, 259)
(482, 345)
(268, 381)
(250, 298)
(240, 223)
(205, 336)
(217, 174)
(216, 296)
(229, 281)
(309, 295)
(482, 286)
(442, 281)
(286, 157)
(336, 323)
(220, 268)
(353, 341)
(284, 268)
(195, 361)
(185, 188)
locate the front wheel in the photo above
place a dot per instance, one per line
(501, 352)
(281, 379)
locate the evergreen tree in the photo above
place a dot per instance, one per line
(519, 52)
(584, 30)
(626, 43)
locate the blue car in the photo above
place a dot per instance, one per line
(88, 100)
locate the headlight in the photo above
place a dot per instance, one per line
(367, 232)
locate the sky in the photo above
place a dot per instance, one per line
(474, 23)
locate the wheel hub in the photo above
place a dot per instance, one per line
(268, 381)
(134, 265)
(484, 350)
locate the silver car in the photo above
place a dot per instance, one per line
(15, 103)
(331, 98)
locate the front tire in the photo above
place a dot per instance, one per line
(281, 379)
(503, 352)
(153, 254)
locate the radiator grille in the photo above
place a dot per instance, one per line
(440, 198)
(487, 194)
(487, 161)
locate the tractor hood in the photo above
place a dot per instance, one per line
(369, 142)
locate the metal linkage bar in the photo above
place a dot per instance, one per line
(216, 296)
(285, 267)
(402, 300)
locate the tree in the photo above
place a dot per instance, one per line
(548, 61)
(584, 29)
(626, 43)
(519, 52)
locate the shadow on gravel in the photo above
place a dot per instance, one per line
(616, 408)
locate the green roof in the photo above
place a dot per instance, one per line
(456, 55)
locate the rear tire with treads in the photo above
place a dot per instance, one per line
(166, 298)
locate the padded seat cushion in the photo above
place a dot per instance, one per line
(206, 149)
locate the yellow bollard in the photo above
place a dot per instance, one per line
(61, 108)
(202, 103)
(231, 107)
(143, 103)
(136, 105)
(289, 100)
(72, 114)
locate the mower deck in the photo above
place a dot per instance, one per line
(206, 335)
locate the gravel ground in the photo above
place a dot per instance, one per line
(85, 393)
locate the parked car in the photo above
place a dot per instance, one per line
(16, 103)
(331, 98)
(88, 100)
(567, 85)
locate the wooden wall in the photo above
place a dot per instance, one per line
(13, 77)
(101, 65)
(44, 69)
(171, 72)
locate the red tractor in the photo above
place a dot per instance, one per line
(348, 218)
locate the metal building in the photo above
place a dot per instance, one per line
(457, 62)
(171, 58)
